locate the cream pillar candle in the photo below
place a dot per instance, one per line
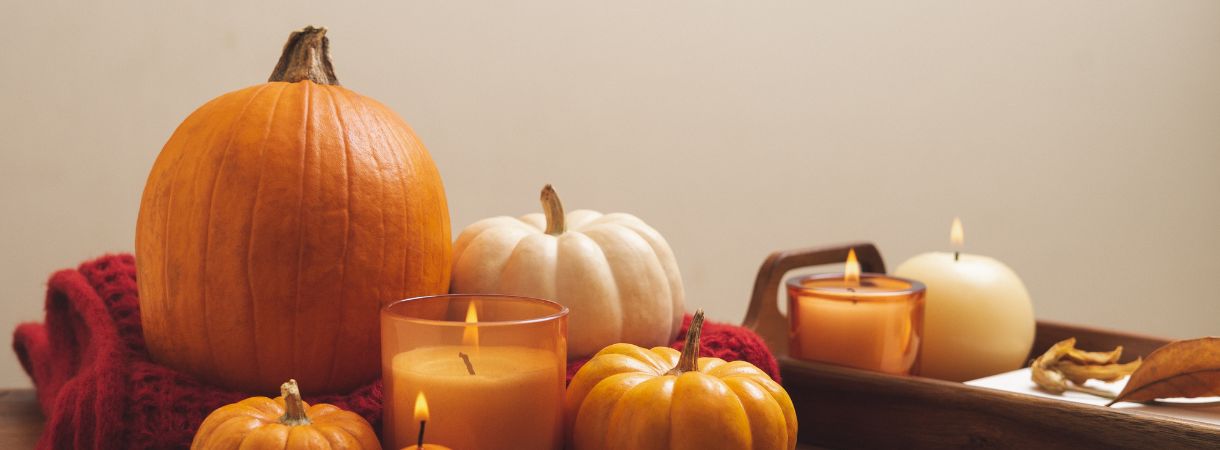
(979, 320)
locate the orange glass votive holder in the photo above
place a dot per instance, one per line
(874, 324)
(492, 368)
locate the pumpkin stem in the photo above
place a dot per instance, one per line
(294, 408)
(689, 361)
(553, 208)
(306, 56)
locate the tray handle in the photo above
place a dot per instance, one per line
(764, 316)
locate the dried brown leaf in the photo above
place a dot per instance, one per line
(1083, 357)
(1065, 368)
(1042, 369)
(1051, 381)
(1189, 368)
(1105, 372)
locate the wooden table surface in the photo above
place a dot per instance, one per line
(21, 420)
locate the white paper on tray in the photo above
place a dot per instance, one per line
(1197, 409)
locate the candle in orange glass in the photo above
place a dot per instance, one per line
(867, 321)
(490, 384)
(421, 416)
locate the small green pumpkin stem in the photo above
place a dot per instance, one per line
(294, 408)
(689, 361)
(306, 56)
(553, 208)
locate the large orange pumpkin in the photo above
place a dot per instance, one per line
(275, 223)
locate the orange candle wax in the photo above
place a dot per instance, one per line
(867, 321)
(422, 415)
(492, 367)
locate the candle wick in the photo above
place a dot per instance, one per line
(466, 359)
(420, 442)
(957, 255)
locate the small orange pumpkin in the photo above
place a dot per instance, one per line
(628, 397)
(286, 422)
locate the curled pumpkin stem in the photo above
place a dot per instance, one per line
(294, 407)
(306, 56)
(689, 361)
(553, 209)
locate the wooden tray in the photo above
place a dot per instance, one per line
(841, 407)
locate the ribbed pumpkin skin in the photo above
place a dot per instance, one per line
(254, 424)
(616, 274)
(275, 223)
(624, 399)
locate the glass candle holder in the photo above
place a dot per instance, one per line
(873, 324)
(492, 368)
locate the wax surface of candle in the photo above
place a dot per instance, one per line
(514, 399)
(979, 319)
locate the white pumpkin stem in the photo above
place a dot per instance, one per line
(294, 408)
(689, 361)
(553, 208)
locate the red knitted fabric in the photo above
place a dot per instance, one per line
(99, 390)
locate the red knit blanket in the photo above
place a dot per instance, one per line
(99, 390)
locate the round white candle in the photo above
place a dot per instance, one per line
(513, 400)
(979, 320)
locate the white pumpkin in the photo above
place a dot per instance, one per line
(616, 275)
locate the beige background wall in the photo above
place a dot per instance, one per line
(1078, 140)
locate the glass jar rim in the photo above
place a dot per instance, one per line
(561, 312)
(794, 284)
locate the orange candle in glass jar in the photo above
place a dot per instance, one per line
(422, 416)
(492, 367)
(867, 321)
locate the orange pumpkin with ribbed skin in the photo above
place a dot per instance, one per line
(276, 222)
(284, 423)
(628, 397)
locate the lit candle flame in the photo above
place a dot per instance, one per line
(956, 236)
(421, 407)
(470, 335)
(851, 270)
